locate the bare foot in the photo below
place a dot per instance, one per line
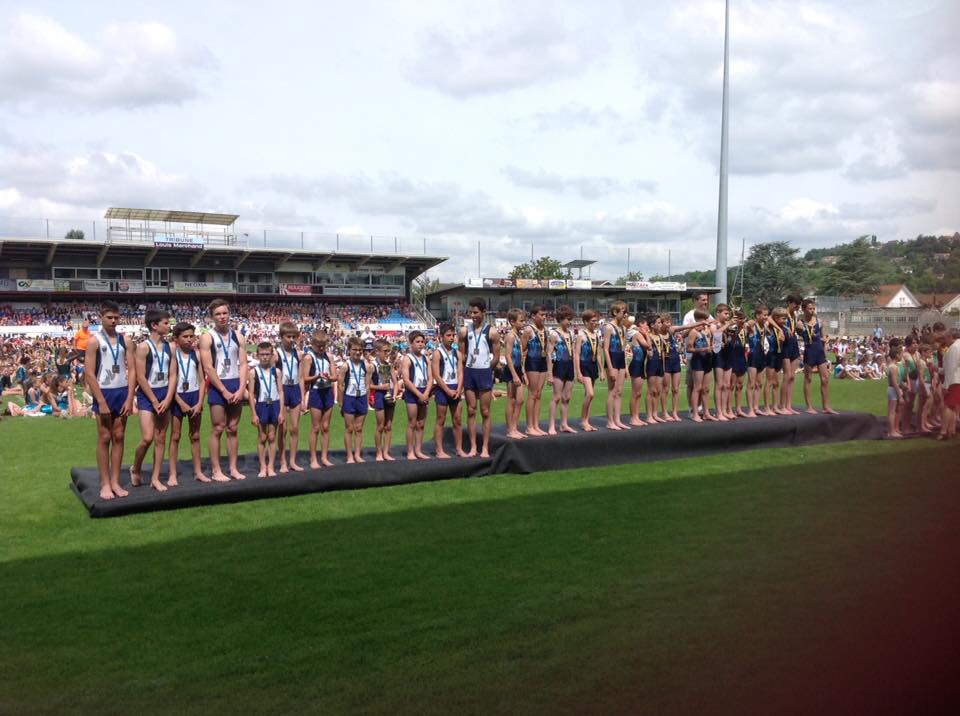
(552, 431)
(388, 457)
(378, 458)
(106, 493)
(781, 411)
(567, 429)
(442, 456)
(119, 491)
(516, 435)
(411, 456)
(423, 456)
(271, 472)
(220, 477)
(696, 418)
(811, 411)
(158, 486)
(675, 418)
(623, 426)
(172, 481)
(750, 414)
(484, 454)
(314, 465)
(613, 426)
(262, 473)
(237, 475)
(326, 462)
(135, 478)
(472, 453)
(284, 469)
(461, 453)
(707, 415)
(200, 477)
(830, 411)
(588, 428)
(359, 459)
(741, 414)
(295, 467)
(350, 460)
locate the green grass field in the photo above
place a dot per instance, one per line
(773, 580)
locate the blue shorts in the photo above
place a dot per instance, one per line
(444, 399)
(215, 397)
(143, 403)
(775, 361)
(738, 362)
(618, 360)
(638, 369)
(189, 398)
(791, 348)
(589, 369)
(721, 360)
(115, 398)
(563, 370)
(654, 366)
(267, 413)
(410, 398)
(478, 380)
(700, 362)
(756, 359)
(673, 364)
(320, 398)
(537, 364)
(508, 376)
(814, 355)
(292, 396)
(355, 405)
(378, 399)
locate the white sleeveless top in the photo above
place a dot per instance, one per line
(321, 364)
(356, 379)
(420, 368)
(220, 343)
(187, 372)
(449, 365)
(268, 388)
(158, 376)
(111, 355)
(478, 347)
(290, 363)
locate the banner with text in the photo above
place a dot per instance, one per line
(202, 287)
(130, 286)
(580, 284)
(296, 289)
(171, 241)
(655, 286)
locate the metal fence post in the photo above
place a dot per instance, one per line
(48, 227)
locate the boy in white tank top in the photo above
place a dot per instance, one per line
(267, 405)
(153, 360)
(110, 374)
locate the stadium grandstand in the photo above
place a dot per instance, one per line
(183, 259)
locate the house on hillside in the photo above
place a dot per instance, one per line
(895, 295)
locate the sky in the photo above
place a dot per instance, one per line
(544, 128)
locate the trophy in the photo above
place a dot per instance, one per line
(386, 373)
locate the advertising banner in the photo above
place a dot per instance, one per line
(8, 284)
(637, 285)
(581, 284)
(171, 241)
(202, 287)
(557, 284)
(35, 284)
(499, 283)
(96, 286)
(530, 283)
(473, 282)
(130, 286)
(296, 289)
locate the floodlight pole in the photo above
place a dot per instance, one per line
(721, 274)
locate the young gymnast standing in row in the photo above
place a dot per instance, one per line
(560, 370)
(587, 365)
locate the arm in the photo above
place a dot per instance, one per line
(577, 345)
(511, 339)
(244, 370)
(277, 378)
(342, 380)
(141, 373)
(206, 361)
(252, 399)
(90, 377)
(307, 380)
(174, 371)
(550, 347)
(131, 382)
(405, 375)
(494, 347)
(426, 389)
(607, 335)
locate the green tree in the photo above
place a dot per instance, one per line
(858, 270)
(422, 286)
(632, 276)
(74, 235)
(542, 268)
(771, 271)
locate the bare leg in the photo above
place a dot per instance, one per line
(233, 440)
(485, 399)
(472, 421)
(116, 455)
(218, 424)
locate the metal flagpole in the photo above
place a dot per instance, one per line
(721, 275)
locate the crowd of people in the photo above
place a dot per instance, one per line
(173, 367)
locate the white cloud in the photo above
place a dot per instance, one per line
(588, 187)
(135, 64)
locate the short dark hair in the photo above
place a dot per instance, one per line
(564, 312)
(154, 316)
(109, 307)
(414, 335)
(264, 346)
(539, 308)
(446, 328)
(808, 302)
(589, 315)
(215, 304)
(478, 302)
(514, 314)
(288, 327)
(181, 328)
(354, 341)
(793, 298)
(698, 294)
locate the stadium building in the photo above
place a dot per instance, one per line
(149, 255)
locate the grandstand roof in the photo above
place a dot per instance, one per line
(169, 215)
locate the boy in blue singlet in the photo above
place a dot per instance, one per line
(700, 348)
(480, 345)
(587, 364)
(267, 407)
(560, 370)
(447, 369)
(737, 336)
(639, 338)
(187, 401)
(614, 344)
(791, 354)
(354, 378)
(317, 373)
(155, 371)
(756, 362)
(814, 356)
(223, 355)
(110, 372)
(533, 343)
(417, 381)
(516, 378)
(386, 389)
(774, 358)
(293, 390)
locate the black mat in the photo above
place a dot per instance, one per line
(604, 447)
